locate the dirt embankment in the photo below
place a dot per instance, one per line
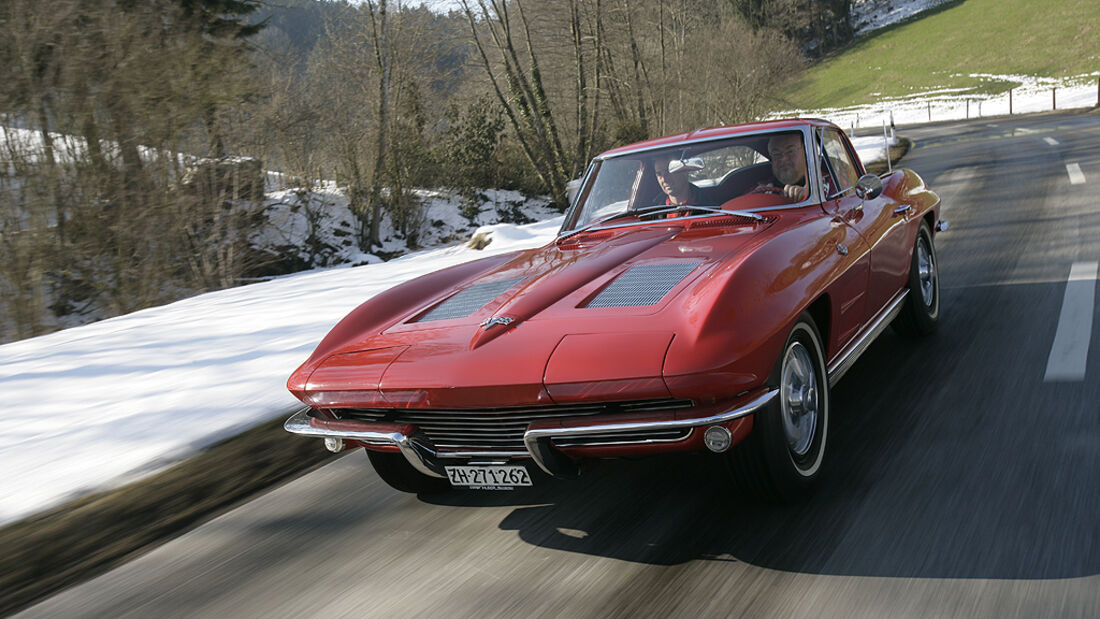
(66, 545)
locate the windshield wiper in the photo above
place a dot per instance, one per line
(705, 209)
(635, 212)
(657, 209)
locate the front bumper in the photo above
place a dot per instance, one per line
(538, 438)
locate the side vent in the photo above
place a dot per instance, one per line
(468, 301)
(643, 285)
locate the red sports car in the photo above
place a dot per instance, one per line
(705, 291)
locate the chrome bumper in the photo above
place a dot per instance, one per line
(423, 456)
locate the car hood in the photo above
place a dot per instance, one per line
(538, 328)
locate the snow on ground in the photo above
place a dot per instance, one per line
(868, 15)
(1031, 94)
(99, 405)
(96, 406)
(872, 148)
(102, 404)
(318, 226)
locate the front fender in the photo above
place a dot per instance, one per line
(749, 305)
(380, 311)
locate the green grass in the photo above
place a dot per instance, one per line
(1049, 38)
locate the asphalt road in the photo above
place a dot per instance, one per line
(963, 480)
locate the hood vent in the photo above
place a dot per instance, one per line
(643, 285)
(468, 301)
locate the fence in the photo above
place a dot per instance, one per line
(1020, 100)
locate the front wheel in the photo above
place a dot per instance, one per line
(920, 312)
(781, 459)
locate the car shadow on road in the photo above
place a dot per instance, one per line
(911, 491)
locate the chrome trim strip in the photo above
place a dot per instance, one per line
(846, 359)
(625, 441)
(412, 447)
(423, 456)
(703, 140)
(481, 454)
(805, 129)
(299, 424)
(531, 438)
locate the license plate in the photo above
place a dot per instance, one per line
(495, 477)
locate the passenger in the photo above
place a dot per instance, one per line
(679, 191)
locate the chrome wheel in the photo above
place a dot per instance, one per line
(926, 272)
(921, 310)
(799, 405)
(782, 456)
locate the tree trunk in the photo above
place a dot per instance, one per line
(583, 135)
(527, 107)
(380, 28)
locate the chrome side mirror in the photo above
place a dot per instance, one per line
(868, 187)
(685, 165)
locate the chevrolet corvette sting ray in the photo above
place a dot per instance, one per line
(704, 293)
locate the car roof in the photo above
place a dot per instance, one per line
(713, 133)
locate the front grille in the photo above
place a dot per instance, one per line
(499, 429)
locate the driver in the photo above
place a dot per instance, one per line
(679, 190)
(788, 168)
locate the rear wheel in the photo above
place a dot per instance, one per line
(921, 310)
(781, 459)
(396, 471)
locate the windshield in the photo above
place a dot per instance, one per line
(740, 173)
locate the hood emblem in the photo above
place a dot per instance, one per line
(497, 320)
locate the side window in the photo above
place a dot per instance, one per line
(840, 160)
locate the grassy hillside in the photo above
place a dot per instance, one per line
(942, 48)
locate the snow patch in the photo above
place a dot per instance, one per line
(869, 15)
(96, 406)
(1029, 94)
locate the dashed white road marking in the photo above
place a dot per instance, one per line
(1051, 141)
(1070, 351)
(1076, 176)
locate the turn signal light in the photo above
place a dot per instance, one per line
(717, 439)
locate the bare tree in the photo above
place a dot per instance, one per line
(520, 90)
(744, 70)
(384, 58)
(92, 211)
